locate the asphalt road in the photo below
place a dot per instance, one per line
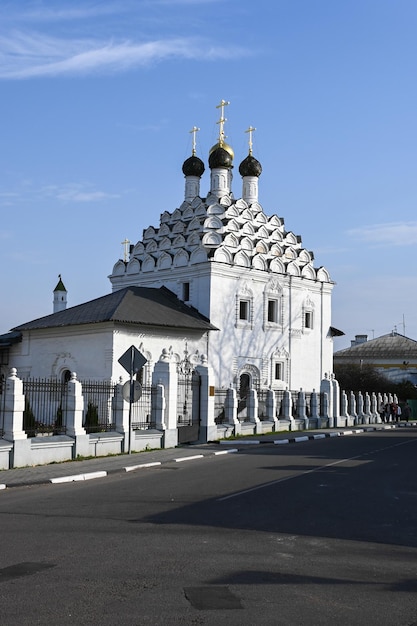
(319, 532)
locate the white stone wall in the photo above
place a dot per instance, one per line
(93, 351)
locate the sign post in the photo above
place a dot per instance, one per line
(133, 361)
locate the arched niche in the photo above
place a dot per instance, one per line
(139, 249)
(241, 259)
(293, 269)
(213, 223)
(119, 268)
(308, 272)
(181, 259)
(323, 275)
(133, 267)
(258, 262)
(199, 255)
(215, 209)
(212, 239)
(222, 255)
(164, 261)
(277, 266)
(148, 264)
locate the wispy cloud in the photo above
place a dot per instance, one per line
(392, 233)
(31, 55)
(76, 193)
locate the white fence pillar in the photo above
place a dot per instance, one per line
(326, 386)
(208, 427)
(230, 410)
(13, 421)
(165, 373)
(271, 407)
(73, 416)
(121, 412)
(13, 408)
(252, 406)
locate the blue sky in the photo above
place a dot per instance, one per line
(97, 100)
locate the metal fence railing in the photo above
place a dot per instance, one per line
(142, 414)
(44, 407)
(98, 405)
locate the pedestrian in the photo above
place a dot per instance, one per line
(387, 413)
(393, 411)
(398, 416)
(407, 411)
(381, 411)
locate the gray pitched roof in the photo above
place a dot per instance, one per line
(392, 346)
(144, 306)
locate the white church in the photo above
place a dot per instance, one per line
(218, 281)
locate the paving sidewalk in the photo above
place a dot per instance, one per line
(69, 471)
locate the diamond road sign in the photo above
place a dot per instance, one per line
(132, 360)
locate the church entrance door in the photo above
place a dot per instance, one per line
(188, 402)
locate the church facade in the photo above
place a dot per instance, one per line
(242, 270)
(217, 279)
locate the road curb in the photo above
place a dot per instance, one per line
(85, 476)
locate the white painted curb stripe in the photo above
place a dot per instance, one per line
(226, 451)
(278, 441)
(334, 434)
(2, 486)
(78, 477)
(189, 458)
(319, 436)
(297, 439)
(135, 467)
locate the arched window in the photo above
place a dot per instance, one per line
(244, 385)
(66, 376)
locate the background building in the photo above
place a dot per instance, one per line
(394, 355)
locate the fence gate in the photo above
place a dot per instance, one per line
(188, 402)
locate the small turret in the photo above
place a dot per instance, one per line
(193, 169)
(250, 169)
(60, 296)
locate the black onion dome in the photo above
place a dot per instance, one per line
(193, 166)
(221, 156)
(250, 167)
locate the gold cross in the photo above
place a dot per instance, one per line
(250, 131)
(125, 245)
(194, 131)
(222, 120)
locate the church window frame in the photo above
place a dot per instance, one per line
(308, 319)
(273, 312)
(244, 310)
(279, 373)
(244, 307)
(186, 290)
